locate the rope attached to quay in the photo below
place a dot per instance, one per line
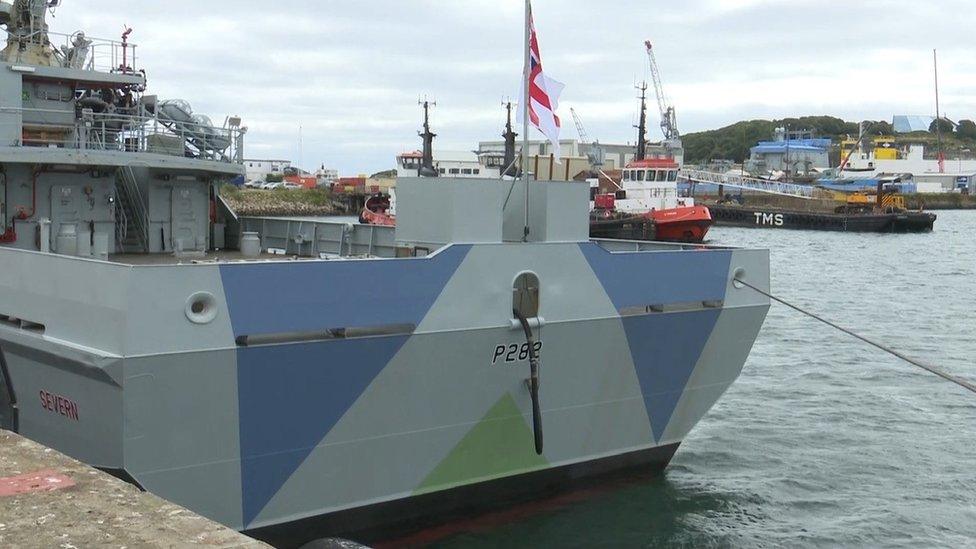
(932, 369)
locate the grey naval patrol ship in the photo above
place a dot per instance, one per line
(267, 371)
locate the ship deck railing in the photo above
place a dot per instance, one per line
(105, 55)
(126, 133)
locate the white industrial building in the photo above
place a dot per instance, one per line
(447, 163)
(911, 161)
(259, 170)
(945, 182)
(614, 155)
(326, 175)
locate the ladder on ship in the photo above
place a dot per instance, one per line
(132, 213)
(747, 183)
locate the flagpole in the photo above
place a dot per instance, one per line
(526, 73)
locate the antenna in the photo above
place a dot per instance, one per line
(938, 114)
(126, 31)
(426, 104)
(426, 168)
(508, 160)
(642, 125)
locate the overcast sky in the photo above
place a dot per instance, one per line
(349, 73)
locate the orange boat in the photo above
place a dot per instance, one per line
(377, 212)
(683, 224)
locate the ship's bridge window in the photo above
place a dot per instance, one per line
(640, 175)
(442, 171)
(626, 175)
(455, 171)
(476, 171)
(466, 171)
(673, 175)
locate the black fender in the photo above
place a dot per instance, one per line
(8, 399)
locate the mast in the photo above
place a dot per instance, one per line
(526, 73)
(938, 114)
(642, 126)
(427, 161)
(509, 161)
(789, 168)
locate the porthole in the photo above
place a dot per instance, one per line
(201, 308)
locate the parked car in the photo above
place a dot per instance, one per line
(255, 184)
(290, 185)
(271, 186)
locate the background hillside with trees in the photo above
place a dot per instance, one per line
(733, 142)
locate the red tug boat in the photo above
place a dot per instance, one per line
(648, 185)
(648, 190)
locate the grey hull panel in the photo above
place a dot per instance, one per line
(414, 387)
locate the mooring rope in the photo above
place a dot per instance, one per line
(932, 369)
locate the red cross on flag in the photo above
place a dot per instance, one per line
(543, 93)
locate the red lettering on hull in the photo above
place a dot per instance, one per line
(57, 404)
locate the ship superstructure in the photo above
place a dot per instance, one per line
(91, 164)
(360, 376)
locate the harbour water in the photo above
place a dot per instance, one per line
(823, 441)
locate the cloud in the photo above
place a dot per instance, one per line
(349, 73)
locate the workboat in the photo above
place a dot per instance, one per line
(273, 374)
(648, 189)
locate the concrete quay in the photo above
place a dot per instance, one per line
(50, 500)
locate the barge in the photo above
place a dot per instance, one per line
(777, 218)
(883, 212)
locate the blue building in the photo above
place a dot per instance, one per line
(796, 152)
